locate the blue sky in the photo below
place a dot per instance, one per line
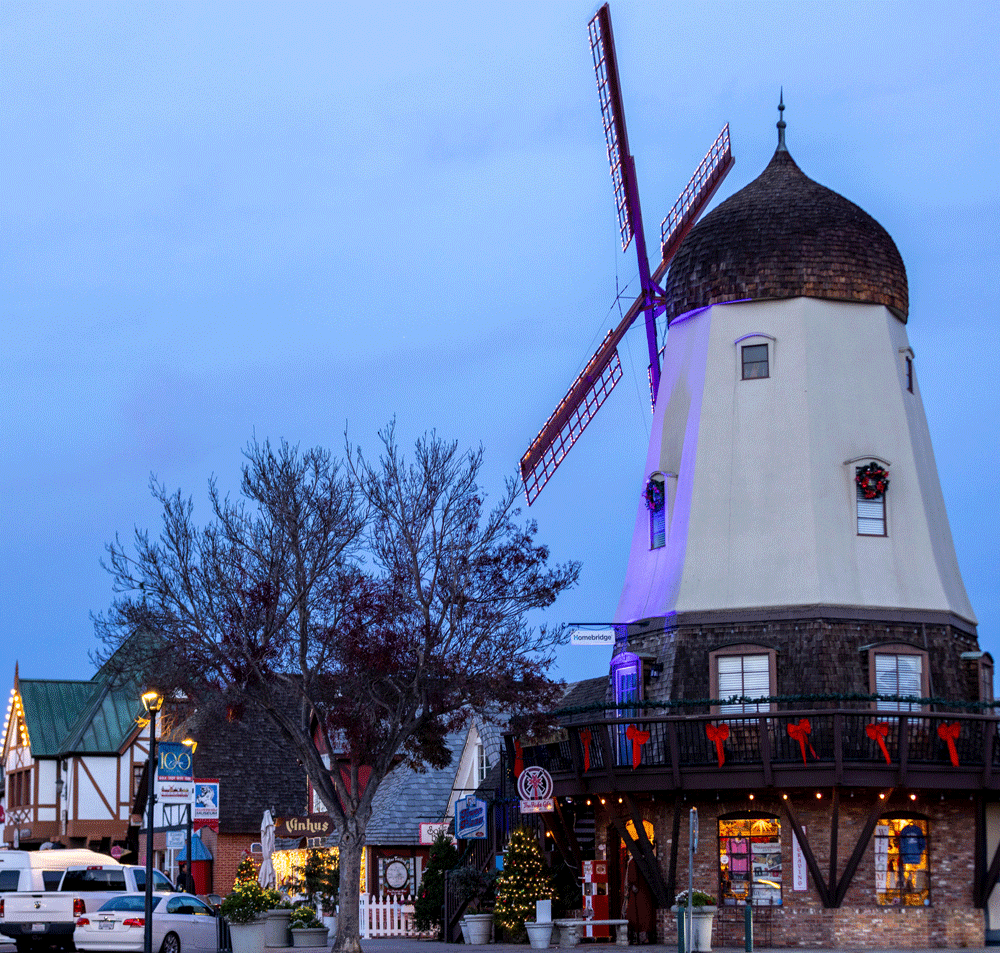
(288, 219)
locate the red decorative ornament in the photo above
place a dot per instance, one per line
(718, 734)
(799, 733)
(872, 480)
(585, 736)
(638, 739)
(879, 731)
(949, 734)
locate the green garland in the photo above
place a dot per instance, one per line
(646, 705)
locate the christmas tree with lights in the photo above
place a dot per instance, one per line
(523, 880)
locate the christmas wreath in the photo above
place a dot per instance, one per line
(653, 495)
(872, 480)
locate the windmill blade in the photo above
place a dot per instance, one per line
(602, 47)
(603, 370)
(696, 195)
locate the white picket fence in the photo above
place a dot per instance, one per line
(386, 916)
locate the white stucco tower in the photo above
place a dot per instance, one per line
(786, 370)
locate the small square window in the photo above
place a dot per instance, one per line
(754, 361)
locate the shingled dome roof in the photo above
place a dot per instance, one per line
(785, 236)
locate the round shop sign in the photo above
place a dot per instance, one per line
(534, 784)
(116, 851)
(396, 875)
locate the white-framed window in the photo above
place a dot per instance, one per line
(482, 763)
(871, 515)
(754, 356)
(742, 671)
(898, 671)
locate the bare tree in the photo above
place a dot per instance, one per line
(383, 597)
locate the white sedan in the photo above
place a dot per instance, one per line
(181, 924)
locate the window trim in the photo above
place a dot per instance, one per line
(755, 338)
(896, 649)
(851, 468)
(747, 816)
(742, 649)
(927, 834)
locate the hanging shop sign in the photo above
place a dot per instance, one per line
(470, 818)
(174, 773)
(535, 787)
(430, 830)
(592, 637)
(308, 825)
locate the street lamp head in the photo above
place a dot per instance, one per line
(190, 743)
(152, 700)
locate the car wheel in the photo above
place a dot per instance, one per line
(171, 944)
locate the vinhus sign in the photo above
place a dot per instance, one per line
(309, 825)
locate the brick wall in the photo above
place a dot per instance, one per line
(801, 920)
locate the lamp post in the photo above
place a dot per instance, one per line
(193, 746)
(153, 701)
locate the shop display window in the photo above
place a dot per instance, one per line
(750, 860)
(903, 861)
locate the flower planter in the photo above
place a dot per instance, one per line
(479, 926)
(465, 931)
(309, 936)
(248, 937)
(539, 935)
(276, 932)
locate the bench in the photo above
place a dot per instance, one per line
(570, 930)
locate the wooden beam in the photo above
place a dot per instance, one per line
(834, 830)
(765, 750)
(821, 887)
(859, 848)
(649, 870)
(608, 751)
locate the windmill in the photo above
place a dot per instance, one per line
(603, 370)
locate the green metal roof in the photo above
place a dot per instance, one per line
(89, 717)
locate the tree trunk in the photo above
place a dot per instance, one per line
(352, 843)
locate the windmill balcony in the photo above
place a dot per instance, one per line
(850, 746)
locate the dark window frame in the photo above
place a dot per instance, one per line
(753, 363)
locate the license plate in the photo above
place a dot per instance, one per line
(38, 927)
(105, 924)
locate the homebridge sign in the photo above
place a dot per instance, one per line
(309, 825)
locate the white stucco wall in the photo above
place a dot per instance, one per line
(762, 510)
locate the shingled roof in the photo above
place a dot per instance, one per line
(786, 236)
(256, 768)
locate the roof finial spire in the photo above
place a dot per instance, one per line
(781, 122)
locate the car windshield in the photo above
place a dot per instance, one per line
(130, 902)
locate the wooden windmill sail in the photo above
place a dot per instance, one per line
(603, 370)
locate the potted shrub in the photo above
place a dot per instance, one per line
(474, 888)
(318, 880)
(244, 910)
(306, 927)
(703, 909)
(279, 912)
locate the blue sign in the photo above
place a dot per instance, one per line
(470, 818)
(174, 762)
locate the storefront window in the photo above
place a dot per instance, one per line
(750, 860)
(902, 862)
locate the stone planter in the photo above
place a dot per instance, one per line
(276, 932)
(479, 926)
(309, 936)
(248, 937)
(539, 935)
(701, 926)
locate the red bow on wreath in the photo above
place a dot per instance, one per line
(879, 731)
(638, 739)
(949, 733)
(798, 733)
(585, 736)
(718, 734)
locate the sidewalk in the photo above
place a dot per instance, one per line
(404, 945)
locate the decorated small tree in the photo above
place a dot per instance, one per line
(523, 880)
(249, 899)
(427, 908)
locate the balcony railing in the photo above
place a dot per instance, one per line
(857, 746)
